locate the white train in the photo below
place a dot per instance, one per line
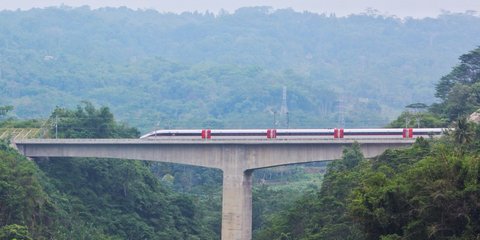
(354, 133)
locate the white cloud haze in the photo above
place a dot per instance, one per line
(401, 8)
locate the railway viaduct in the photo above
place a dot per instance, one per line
(236, 158)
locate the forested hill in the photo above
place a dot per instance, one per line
(206, 70)
(428, 191)
(89, 198)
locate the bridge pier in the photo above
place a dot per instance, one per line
(237, 204)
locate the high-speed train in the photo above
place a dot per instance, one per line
(311, 134)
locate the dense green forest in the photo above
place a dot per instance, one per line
(226, 70)
(83, 198)
(159, 70)
(459, 94)
(92, 198)
(429, 191)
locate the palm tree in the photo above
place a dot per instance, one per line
(464, 131)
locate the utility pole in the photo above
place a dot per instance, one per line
(1, 66)
(284, 107)
(407, 119)
(341, 112)
(56, 126)
(274, 119)
(417, 109)
(288, 121)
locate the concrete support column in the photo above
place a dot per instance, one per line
(237, 204)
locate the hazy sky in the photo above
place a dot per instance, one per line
(401, 8)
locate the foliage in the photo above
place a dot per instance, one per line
(459, 92)
(466, 73)
(92, 198)
(226, 70)
(275, 190)
(122, 198)
(25, 208)
(428, 191)
(412, 120)
(460, 89)
(417, 106)
(18, 123)
(31, 208)
(436, 197)
(88, 122)
(464, 131)
(5, 109)
(14, 231)
(201, 70)
(321, 215)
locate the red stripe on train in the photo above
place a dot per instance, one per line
(206, 133)
(407, 133)
(338, 133)
(271, 133)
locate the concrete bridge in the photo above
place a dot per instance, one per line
(236, 158)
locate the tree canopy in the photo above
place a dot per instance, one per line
(200, 69)
(460, 89)
(89, 122)
(428, 191)
(83, 198)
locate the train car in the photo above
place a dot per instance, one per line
(391, 132)
(358, 133)
(373, 133)
(209, 134)
(303, 133)
(429, 132)
(174, 134)
(240, 133)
